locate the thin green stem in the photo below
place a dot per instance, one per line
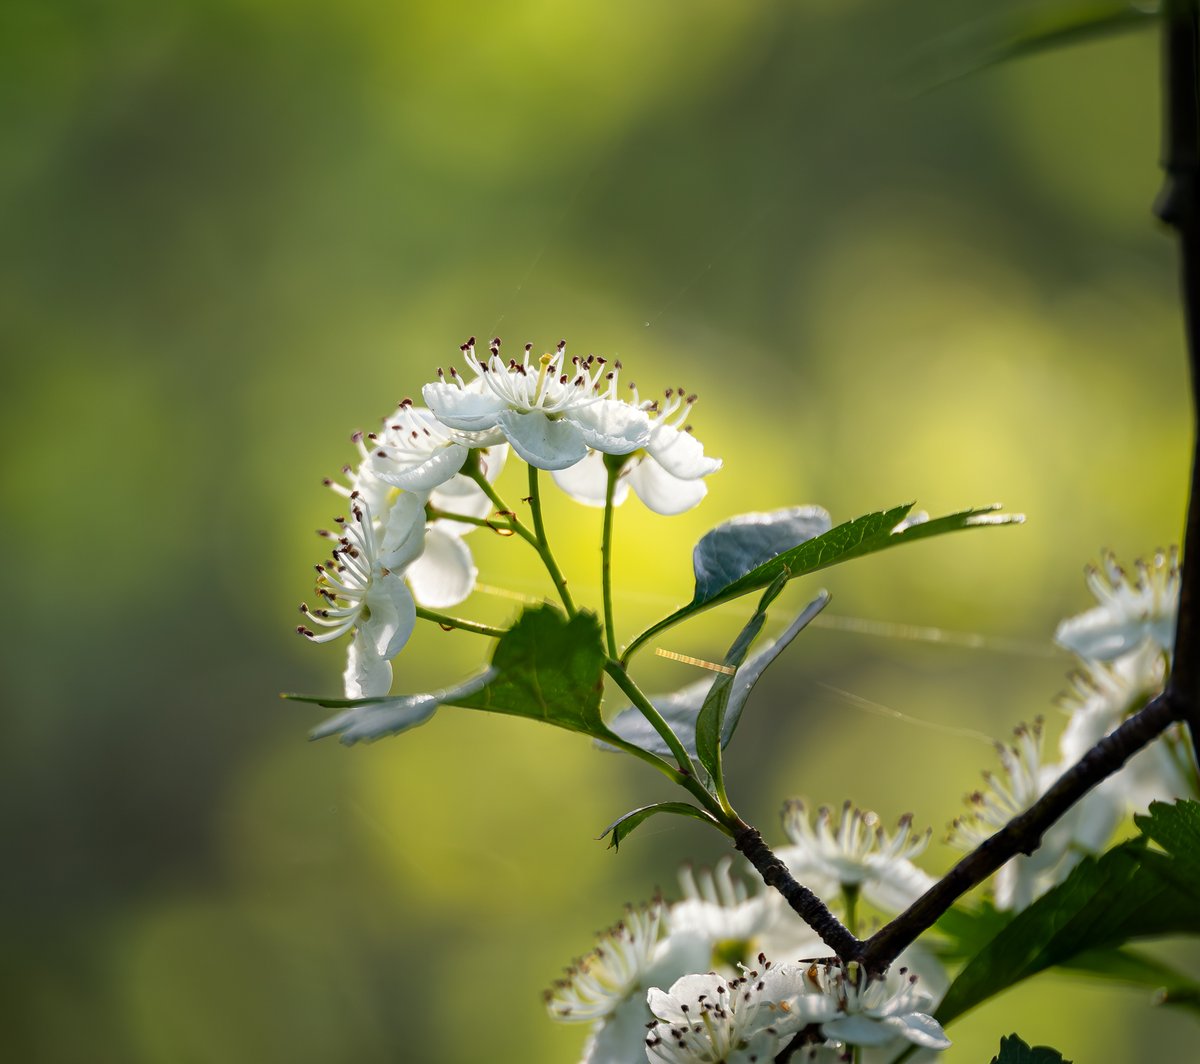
(850, 893)
(503, 526)
(446, 621)
(606, 544)
(686, 777)
(472, 470)
(543, 544)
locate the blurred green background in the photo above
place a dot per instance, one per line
(232, 231)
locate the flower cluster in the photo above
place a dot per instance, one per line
(690, 981)
(424, 480)
(1124, 647)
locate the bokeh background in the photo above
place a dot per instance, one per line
(233, 231)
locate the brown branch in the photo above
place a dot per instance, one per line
(810, 908)
(1178, 205)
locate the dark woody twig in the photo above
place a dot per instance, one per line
(1178, 206)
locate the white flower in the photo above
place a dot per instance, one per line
(362, 588)
(666, 474)
(1129, 612)
(1102, 695)
(551, 411)
(711, 1019)
(854, 852)
(1023, 781)
(849, 1007)
(413, 451)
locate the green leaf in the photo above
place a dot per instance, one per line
(366, 719)
(743, 543)
(1029, 31)
(1132, 968)
(710, 721)
(680, 708)
(965, 930)
(545, 667)
(548, 668)
(864, 535)
(1130, 892)
(1015, 1051)
(623, 826)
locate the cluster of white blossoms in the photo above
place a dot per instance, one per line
(1123, 647)
(400, 547)
(691, 982)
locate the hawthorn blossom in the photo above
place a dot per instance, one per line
(666, 474)
(854, 852)
(711, 1019)
(1129, 611)
(607, 987)
(1102, 695)
(549, 410)
(846, 1006)
(363, 591)
(1022, 781)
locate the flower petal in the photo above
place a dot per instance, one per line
(680, 453)
(541, 442)
(612, 426)
(920, 1029)
(393, 615)
(587, 481)
(470, 408)
(367, 674)
(858, 1030)
(445, 573)
(664, 493)
(403, 532)
(442, 464)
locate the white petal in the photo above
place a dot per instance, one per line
(393, 615)
(663, 493)
(680, 453)
(403, 533)
(471, 409)
(612, 426)
(435, 470)
(367, 674)
(893, 884)
(445, 573)
(858, 1030)
(1099, 635)
(622, 1037)
(920, 1029)
(587, 481)
(541, 442)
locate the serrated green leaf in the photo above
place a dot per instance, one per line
(550, 668)
(680, 708)
(864, 535)
(545, 667)
(1014, 1051)
(623, 826)
(1130, 892)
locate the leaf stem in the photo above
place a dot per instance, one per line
(606, 544)
(686, 774)
(543, 544)
(446, 621)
